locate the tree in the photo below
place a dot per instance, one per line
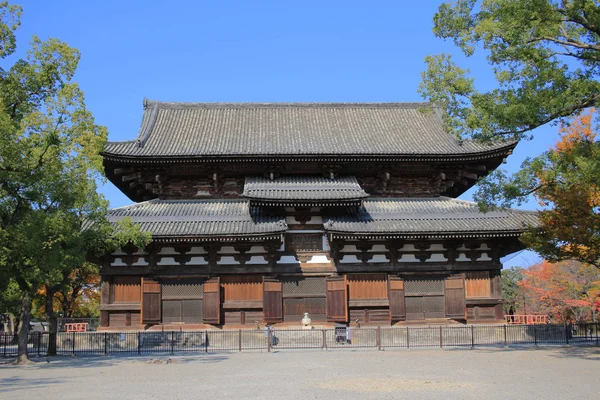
(545, 56)
(567, 291)
(81, 289)
(10, 301)
(566, 183)
(511, 289)
(51, 216)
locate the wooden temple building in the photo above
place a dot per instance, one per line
(262, 212)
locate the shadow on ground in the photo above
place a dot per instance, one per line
(102, 361)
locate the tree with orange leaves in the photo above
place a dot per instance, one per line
(76, 294)
(568, 291)
(566, 183)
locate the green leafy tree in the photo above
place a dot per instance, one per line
(511, 289)
(566, 183)
(51, 216)
(545, 56)
(10, 302)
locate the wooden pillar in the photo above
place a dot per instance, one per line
(104, 300)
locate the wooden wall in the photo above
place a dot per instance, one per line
(367, 286)
(371, 315)
(124, 319)
(244, 317)
(126, 289)
(239, 287)
(477, 284)
(485, 313)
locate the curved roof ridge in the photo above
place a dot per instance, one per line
(309, 104)
(451, 200)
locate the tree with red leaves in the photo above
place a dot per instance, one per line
(567, 291)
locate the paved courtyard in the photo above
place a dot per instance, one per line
(550, 373)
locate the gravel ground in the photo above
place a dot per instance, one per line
(451, 374)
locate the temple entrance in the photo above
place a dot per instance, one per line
(302, 295)
(424, 298)
(182, 301)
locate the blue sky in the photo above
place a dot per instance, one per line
(236, 51)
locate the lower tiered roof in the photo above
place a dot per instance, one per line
(170, 219)
(439, 217)
(428, 217)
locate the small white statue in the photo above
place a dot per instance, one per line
(306, 321)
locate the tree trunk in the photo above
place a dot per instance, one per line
(23, 357)
(14, 322)
(52, 321)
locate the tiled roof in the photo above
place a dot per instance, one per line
(198, 218)
(307, 188)
(429, 216)
(263, 129)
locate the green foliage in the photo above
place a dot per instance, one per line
(51, 216)
(10, 297)
(544, 55)
(511, 288)
(566, 183)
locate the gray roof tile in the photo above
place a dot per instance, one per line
(217, 129)
(431, 216)
(306, 188)
(198, 218)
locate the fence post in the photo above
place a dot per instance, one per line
(378, 337)
(39, 342)
(324, 346)
(472, 337)
(505, 339)
(172, 341)
(240, 340)
(407, 341)
(269, 338)
(597, 326)
(73, 343)
(206, 341)
(567, 332)
(535, 334)
(4, 338)
(441, 341)
(139, 343)
(105, 344)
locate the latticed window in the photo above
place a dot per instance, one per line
(424, 287)
(310, 286)
(183, 289)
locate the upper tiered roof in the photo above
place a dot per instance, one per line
(199, 130)
(303, 190)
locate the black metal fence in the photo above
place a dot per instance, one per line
(340, 338)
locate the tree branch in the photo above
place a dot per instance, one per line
(561, 113)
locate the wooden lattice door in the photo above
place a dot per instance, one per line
(182, 301)
(304, 295)
(424, 298)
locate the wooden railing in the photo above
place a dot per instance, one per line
(77, 327)
(528, 319)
